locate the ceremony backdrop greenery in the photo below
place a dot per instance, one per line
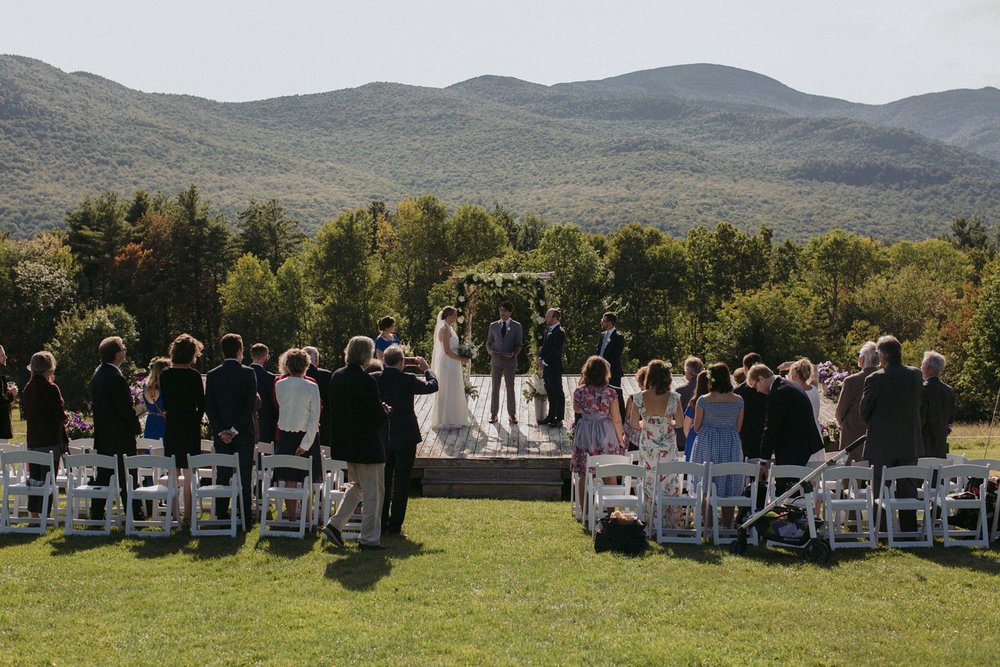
(150, 266)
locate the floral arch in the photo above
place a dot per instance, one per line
(468, 287)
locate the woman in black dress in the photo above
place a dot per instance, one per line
(184, 404)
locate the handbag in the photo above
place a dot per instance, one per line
(626, 536)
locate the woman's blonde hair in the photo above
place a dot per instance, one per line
(41, 363)
(156, 367)
(802, 369)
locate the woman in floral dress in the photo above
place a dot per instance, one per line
(599, 428)
(661, 414)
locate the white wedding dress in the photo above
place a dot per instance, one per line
(451, 407)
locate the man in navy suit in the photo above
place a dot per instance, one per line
(322, 378)
(230, 397)
(550, 360)
(790, 429)
(611, 346)
(116, 425)
(267, 414)
(397, 390)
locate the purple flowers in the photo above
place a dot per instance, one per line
(136, 389)
(831, 376)
(76, 427)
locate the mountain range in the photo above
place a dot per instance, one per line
(672, 147)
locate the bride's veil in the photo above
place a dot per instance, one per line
(437, 352)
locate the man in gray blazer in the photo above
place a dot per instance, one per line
(504, 342)
(890, 403)
(852, 425)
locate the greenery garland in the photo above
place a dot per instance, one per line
(468, 284)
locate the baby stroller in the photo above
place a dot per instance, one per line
(787, 524)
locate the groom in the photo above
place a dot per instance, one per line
(551, 363)
(504, 343)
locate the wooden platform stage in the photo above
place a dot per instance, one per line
(500, 460)
(496, 460)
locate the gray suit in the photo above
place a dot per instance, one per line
(497, 341)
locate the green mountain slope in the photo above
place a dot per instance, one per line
(595, 156)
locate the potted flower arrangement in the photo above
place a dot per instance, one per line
(534, 391)
(832, 377)
(76, 427)
(135, 389)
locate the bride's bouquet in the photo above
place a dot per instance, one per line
(469, 350)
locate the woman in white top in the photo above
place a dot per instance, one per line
(298, 417)
(451, 407)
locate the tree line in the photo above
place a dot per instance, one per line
(150, 266)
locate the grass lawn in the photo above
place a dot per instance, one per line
(484, 582)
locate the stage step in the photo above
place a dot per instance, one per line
(518, 479)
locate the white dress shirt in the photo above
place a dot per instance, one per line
(298, 407)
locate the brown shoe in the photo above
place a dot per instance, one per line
(493, 420)
(513, 420)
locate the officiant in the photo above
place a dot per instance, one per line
(504, 342)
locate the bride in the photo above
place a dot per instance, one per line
(451, 407)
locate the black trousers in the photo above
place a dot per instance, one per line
(245, 452)
(552, 378)
(37, 473)
(398, 468)
(97, 505)
(905, 488)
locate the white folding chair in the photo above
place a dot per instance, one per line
(17, 485)
(806, 501)
(18, 473)
(593, 461)
(277, 492)
(691, 502)
(624, 496)
(994, 466)
(205, 467)
(160, 468)
(147, 445)
(750, 473)
(947, 476)
(84, 445)
(334, 489)
(80, 470)
(956, 459)
(888, 503)
(845, 492)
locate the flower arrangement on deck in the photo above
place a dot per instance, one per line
(831, 376)
(533, 388)
(77, 427)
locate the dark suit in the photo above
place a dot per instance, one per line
(552, 356)
(852, 425)
(613, 355)
(937, 412)
(230, 397)
(6, 403)
(397, 389)
(356, 416)
(890, 404)
(754, 415)
(116, 426)
(267, 414)
(322, 377)
(790, 430)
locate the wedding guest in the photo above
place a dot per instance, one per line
(599, 429)
(631, 429)
(661, 414)
(701, 388)
(230, 398)
(116, 425)
(754, 411)
(504, 342)
(322, 377)
(718, 416)
(267, 413)
(386, 336)
(397, 390)
(692, 366)
(890, 403)
(790, 432)
(46, 417)
(184, 404)
(8, 392)
(739, 376)
(153, 400)
(357, 414)
(611, 346)
(848, 414)
(550, 361)
(937, 408)
(803, 373)
(299, 408)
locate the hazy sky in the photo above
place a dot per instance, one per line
(864, 51)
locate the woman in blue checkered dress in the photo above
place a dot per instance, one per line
(718, 416)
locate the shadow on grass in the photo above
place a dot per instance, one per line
(977, 559)
(67, 545)
(208, 547)
(157, 547)
(359, 570)
(18, 539)
(693, 552)
(287, 547)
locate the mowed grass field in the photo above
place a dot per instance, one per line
(485, 582)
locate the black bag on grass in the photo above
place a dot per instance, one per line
(624, 537)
